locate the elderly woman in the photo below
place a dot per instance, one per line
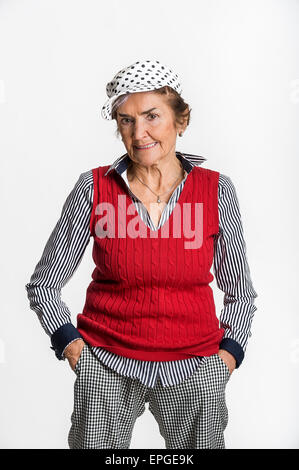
(148, 331)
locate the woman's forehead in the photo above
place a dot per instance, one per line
(143, 101)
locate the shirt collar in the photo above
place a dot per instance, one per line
(189, 161)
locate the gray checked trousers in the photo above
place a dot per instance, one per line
(190, 415)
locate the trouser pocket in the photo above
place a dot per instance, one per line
(78, 363)
(223, 365)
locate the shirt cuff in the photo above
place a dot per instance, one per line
(234, 348)
(62, 337)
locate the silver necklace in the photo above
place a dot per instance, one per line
(158, 196)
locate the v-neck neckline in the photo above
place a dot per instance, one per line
(181, 196)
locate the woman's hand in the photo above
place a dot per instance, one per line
(228, 358)
(72, 352)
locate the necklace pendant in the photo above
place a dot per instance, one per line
(159, 200)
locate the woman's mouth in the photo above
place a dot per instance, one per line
(144, 147)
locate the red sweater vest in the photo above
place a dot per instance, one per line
(150, 297)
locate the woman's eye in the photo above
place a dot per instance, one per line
(127, 120)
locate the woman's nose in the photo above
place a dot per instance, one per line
(139, 130)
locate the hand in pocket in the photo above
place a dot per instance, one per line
(73, 352)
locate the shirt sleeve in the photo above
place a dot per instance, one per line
(232, 273)
(60, 258)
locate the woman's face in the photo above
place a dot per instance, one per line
(146, 118)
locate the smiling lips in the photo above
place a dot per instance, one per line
(144, 147)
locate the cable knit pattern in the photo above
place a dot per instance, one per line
(150, 297)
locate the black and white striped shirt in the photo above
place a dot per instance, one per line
(69, 239)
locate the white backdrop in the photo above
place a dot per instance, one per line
(239, 65)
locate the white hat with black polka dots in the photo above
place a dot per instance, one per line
(144, 75)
